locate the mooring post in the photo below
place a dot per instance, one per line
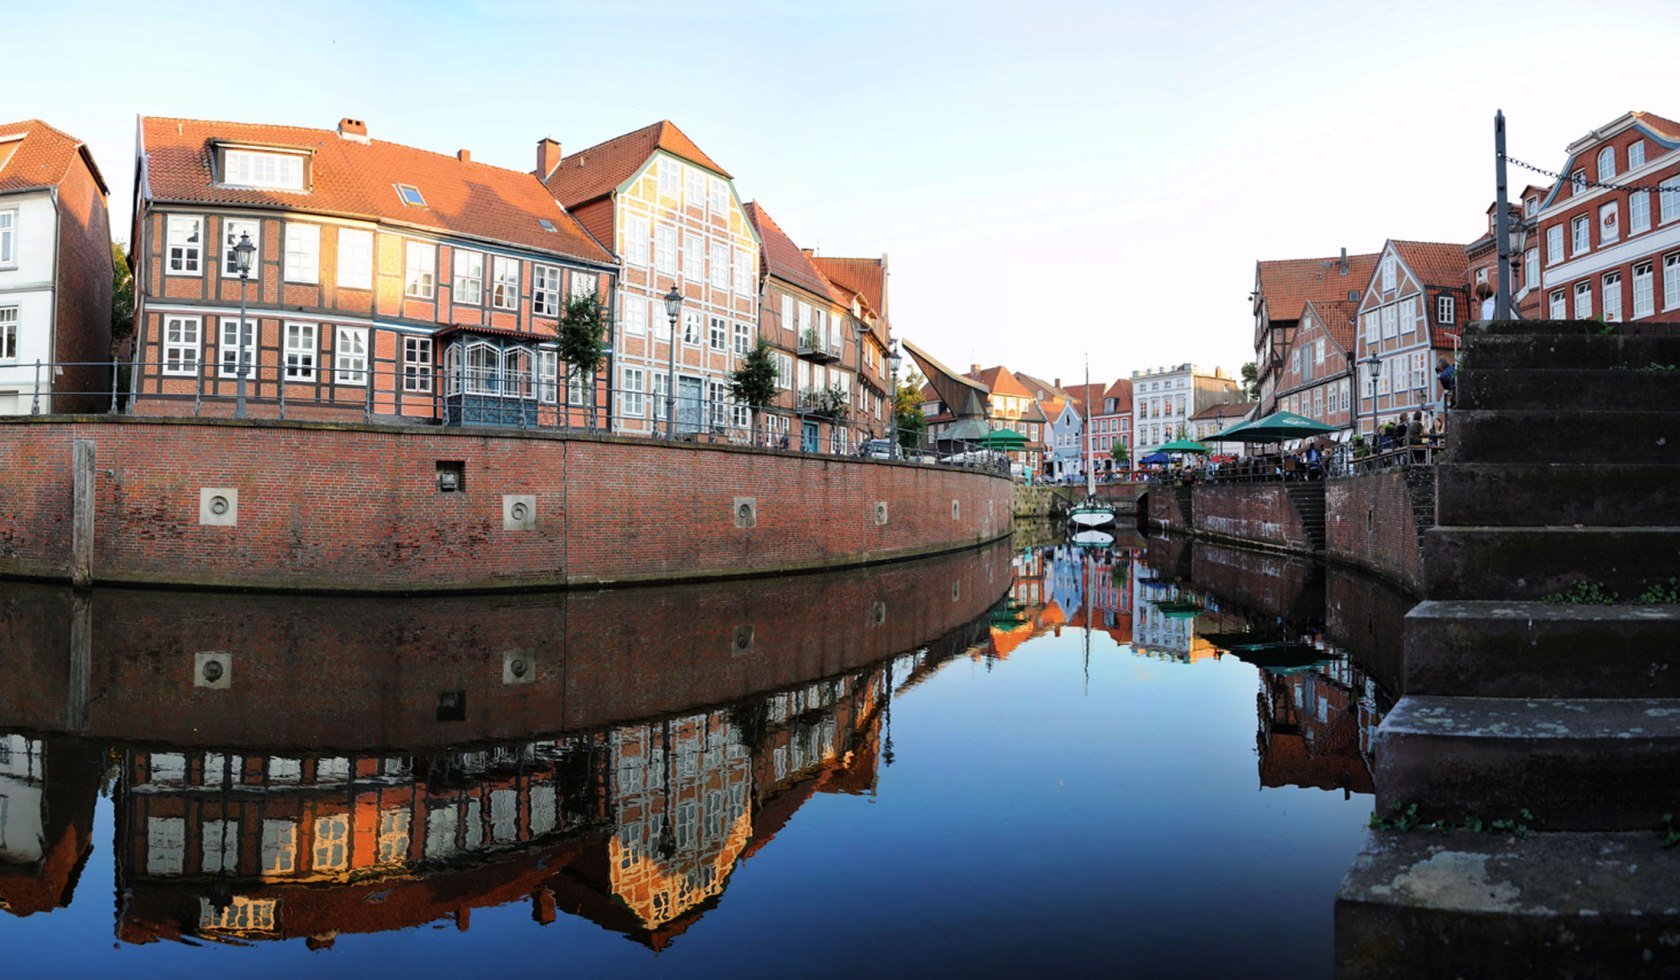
(81, 513)
(81, 661)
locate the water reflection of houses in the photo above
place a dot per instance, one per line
(47, 793)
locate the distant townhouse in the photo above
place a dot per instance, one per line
(1164, 399)
(1282, 289)
(1012, 405)
(385, 281)
(1411, 316)
(672, 216)
(1482, 257)
(1318, 372)
(1066, 439)
(1217, 418)
(55, 273)
(1110, 422)
(1611, 231)
(862, 282)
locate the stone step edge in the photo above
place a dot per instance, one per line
(1520, 610)
(1536, 719)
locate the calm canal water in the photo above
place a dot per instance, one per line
(1149, 760)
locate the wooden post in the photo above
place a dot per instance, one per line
(81, 660)
(81, 513)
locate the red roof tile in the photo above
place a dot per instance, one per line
(355, 179)
(1227, 410)
(1435, 263)
(597, 171)
(1339, 317)
(1667, 127)
(41, 158)
(1087, 398)
(1121, 392)
(866, 277)
(1001, 381)
(1287, 284)
(784, 259)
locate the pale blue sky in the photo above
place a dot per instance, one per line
(1047, 178)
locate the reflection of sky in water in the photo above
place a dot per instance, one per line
(1063, 797)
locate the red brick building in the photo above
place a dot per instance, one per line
(862, 283)
(1317, 375)
(388, 282)
(1609, 235)
(55, 273)
(1282, 289)
(1482, 256)
(1411, 315)
(1110, 422)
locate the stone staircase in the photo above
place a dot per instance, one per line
(1563, 477)
(1308, 499)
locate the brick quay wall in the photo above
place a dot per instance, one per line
(334, 507)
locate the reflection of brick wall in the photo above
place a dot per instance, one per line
(358, 506)
(1374, 521)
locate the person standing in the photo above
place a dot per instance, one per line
(1414, 436)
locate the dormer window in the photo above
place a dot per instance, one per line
(410, 195)
(261, 168)
(1531, 207)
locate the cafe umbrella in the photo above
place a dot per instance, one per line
(1275, 427)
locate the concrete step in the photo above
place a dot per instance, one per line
(1548, 328)
(1564, 389)
(1490, 906)
(1516, 494)
(1575, 764)
(1567, 436)
(1536, 562)
(1541, 650)
(1530, 351)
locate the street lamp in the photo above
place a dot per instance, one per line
(1373, 367)
(894, 359)
(242, 254)
(673, 309)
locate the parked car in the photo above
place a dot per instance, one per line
(878, 449)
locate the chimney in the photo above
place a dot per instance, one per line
(974, 369)
(1344, 265)
(548, 156)
(1058, 383)
(353, 129)
(465, 156)
(809, 252)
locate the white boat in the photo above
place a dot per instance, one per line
(1090, 512)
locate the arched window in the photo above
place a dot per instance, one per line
(484, 369)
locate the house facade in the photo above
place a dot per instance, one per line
(1282, 288)
(1482, 257)
(1164, 399)
(1110, 422)
(1066, 440)
(862, 284)
(55, 274)
(1010, 404)
(1317, 376)
(1411, 317)
(672, 216)
(1610, 234)
(386, 282)
(1214, 419)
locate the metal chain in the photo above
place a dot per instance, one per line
(1583, 182)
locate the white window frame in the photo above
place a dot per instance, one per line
(584, 284)
(303, 253)
(658, 393)
(1558, 304)
(694, 258)
(1583, 300)
(1606, 163)
(279, 846)
(1639, 212)
(1577, 183)
(742, 334)
(717, 333)
(634, 317)
(8, 238)
(694, 187)
(633, 382)
(548, 376)
(184, 354)
(417, 363)
(1580, 235)
(1644, 282)
(300, 355)
(182, 256)
(720, 265)
(743, 272)
(665, 250)
(1554, 244)
(8, 333)
(419, 269)
(229, 368)
(246, 168)
(545, 289)
(231, 229)
(1668, 200)
(670, 178)
(1671, 281)
(350, 356)
(1636, 155)
(504, 282)
(1390, 318)
(718, 197)
(636, 240)
(1609, 223)
(466, 278)
(1444, 311)
(1531, 269)
(1610, 296)
(1389, 274)
(355, 258)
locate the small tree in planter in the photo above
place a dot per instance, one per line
(753, 382)
(583, 331)
(1120, 455)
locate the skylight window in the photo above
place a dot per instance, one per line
(410, 195)
(547, 225)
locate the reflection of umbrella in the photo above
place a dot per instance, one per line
(1005, 439)
(1275, 427)
(1184, 446)
(1155, 459)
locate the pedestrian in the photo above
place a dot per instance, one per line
(1447, 374)
(1414, 437)
(1484, 292)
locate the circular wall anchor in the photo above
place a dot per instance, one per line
(218, 505)
(520, 511)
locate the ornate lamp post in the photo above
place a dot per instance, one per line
(242, 254)
(1373, 367)
(673, 309)
(894, 359)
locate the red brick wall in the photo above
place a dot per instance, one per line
(83, 294)
(1257, 512)
(1374, 520)
(324, 506)
(1163, 508)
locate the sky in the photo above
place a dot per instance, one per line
(1050, 181)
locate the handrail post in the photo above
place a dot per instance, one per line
(113, 386)
(35, 399)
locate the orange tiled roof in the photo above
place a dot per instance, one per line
(1121, 392)
(597, 171)
(1435, 263)
(355, 179)
(1001, 381)
(866, 277)
(1225, 410)
(1339, 318)
(783, 259)
(41, 158)
(1288, 284)
(1087, 398)
(1667, 127)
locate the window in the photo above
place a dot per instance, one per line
(576, 387)
(584, 284)
(1295, 361)
(410, 195)
(661, 391)
(1560, 305)
(1531, 207)
(696, 185)
(1531, 268)
(180, 342)
(220, 847)
(166, 844)
(1606, 163)
(1671, 281)
(350, 358)
(355, 258)
(1608, 224)
(636, 240)
(720, 265)
(1639, 212)
(332, 839)
(1554, 245)
(468, 281)
(693, 322)
(694, 257)
(720, 196)
(548, 376)
(743, 339)
(1612, 296)
(8, 333)
(8, 237)
(634, 384)
(717, 402)
(300, 351)
(1371, 326)
(1579, 235)
(303, 253)
(545, 290)
(1318, 351)
(665, 247)
(743, 271)
(784, 372)
(417, 364)
(245, 168)
(230, 348)
(1388, 318)
(1668, 199)
(279, 846)
(1578, 183)
(184, 246)
(1443, 309)
(634, 319)
(504, 287)
(718, 334)
(393, 835)
(420, 270)
(1388, 276)
(1644, 300)
(670, 172)
(1583, 301)
(232, 228)
(1636, 154)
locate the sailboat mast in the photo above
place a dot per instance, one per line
(1085, 424)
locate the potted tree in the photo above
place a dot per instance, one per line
(753, 382)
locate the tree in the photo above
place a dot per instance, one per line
(122, 294)
(583, 331)
(908, 420)
(753, 382)
(1251, 381)
(1119, 454)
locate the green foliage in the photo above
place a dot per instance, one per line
(1662, 593)
(583, 331)
(1361, 447)
(907, 411)
(122, 294)
(753, 382)
(830, 403)
(1656, 366)
(1119, 453)
(1670, 834)
(1584, 593)
(1404, 819)
(1251, 381)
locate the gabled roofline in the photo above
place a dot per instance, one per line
(1620, 125)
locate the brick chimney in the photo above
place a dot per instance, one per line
(353, 129)
(974, 369)
(1058, 383)
(465, 156)
(548, 156)
(1344, 262)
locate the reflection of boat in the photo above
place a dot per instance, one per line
(1092, 538)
